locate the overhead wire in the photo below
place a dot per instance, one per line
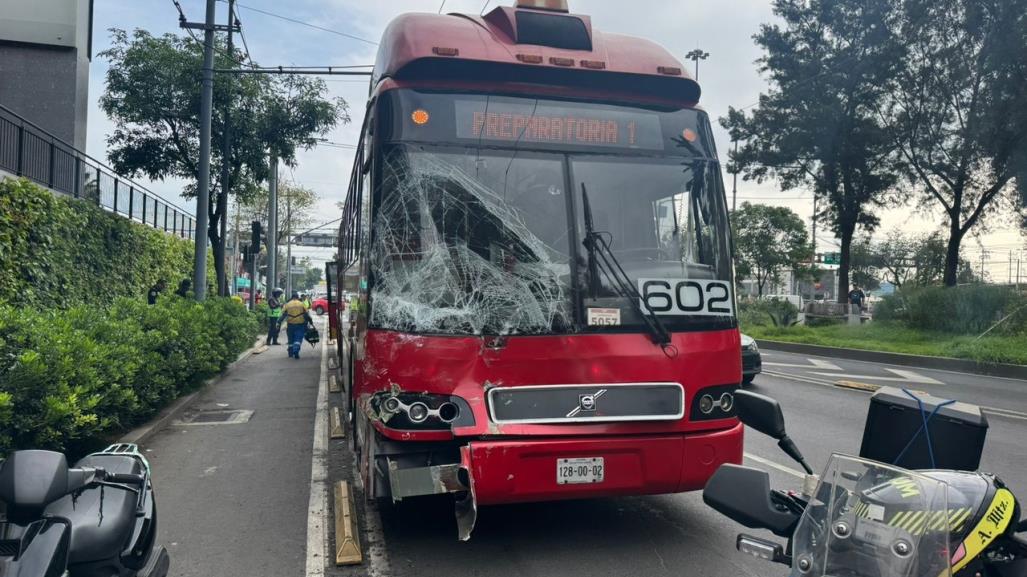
(302, 23)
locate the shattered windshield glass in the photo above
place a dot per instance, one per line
(478, 221)
(470, 242)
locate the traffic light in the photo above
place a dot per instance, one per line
(255, 235)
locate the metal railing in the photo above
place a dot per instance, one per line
(30, 151)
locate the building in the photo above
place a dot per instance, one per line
(45, 50)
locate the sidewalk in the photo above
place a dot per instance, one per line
(233, 486)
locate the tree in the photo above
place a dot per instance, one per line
(897, 257)
(816, 127)
(295, 213)
(311, 277)
(767, 240)
(864, 266)
(152, 95)
(958, 111)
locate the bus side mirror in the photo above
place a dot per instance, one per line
(761, 413)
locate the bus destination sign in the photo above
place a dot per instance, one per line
(549, 124)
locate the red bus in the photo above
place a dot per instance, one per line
(537, 236)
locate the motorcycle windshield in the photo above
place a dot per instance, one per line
(868, 519)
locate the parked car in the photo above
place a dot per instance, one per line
(320, 305)
(752, 364)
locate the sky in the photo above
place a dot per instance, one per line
(729, 77)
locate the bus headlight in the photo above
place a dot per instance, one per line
(421, 411)
(717, 402)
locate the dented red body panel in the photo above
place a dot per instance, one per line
(515, 462)
(522, 470)
(466, 367)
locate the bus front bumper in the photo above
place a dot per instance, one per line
(524, 470)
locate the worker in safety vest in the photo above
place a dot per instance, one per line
(296, 317)
(274, 310)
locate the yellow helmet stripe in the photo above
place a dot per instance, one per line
(992, 524)
(960, 520)
(896, 521)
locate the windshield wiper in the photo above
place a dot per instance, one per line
(600, 255)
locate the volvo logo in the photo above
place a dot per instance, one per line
(586, 403)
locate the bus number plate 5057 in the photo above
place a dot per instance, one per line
(581, 470)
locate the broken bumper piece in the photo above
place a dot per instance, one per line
(497, 471)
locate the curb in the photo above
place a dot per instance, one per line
(941, 363)
(140, 434)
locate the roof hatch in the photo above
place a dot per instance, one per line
(544, 23)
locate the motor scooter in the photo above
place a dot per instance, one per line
(95, 519)
(865, 518)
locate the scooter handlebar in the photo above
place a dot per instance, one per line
(127, 478)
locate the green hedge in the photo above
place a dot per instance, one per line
(57, 251)
(964, 310)
(69, 379)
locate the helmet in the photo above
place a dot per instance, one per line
(277, 292)
(973, 500)
(870, 519)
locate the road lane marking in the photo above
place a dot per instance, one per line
(773, 465)
(881, 364)
(903, 377)
(1008, 413)
(802, 378)
(813, 364)
(317, 509)
(1005, 413)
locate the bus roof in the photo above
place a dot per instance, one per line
(517, 44)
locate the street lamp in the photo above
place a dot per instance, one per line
(695, 56)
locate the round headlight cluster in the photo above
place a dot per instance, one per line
(725, 403)
(419, 411)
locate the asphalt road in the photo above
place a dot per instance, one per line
(234, 498)
(678, 534)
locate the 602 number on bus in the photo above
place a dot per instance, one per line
(686, 296)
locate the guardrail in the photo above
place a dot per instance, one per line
(30, 151)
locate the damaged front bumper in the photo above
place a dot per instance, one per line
(525, 470)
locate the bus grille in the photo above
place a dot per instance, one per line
(594, 403)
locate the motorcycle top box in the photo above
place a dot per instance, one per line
(95, 519)
(895, 431)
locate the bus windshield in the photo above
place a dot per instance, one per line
(488, 239)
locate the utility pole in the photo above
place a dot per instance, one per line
(695, 56)
(209, 26)
(734, 181)
(272, 226)
(226, 147)
(203, 186)
(813, 257)
(288, 245)
(235, 251)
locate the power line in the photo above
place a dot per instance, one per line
(308, 24)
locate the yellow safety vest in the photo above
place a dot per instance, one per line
(295, 312)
